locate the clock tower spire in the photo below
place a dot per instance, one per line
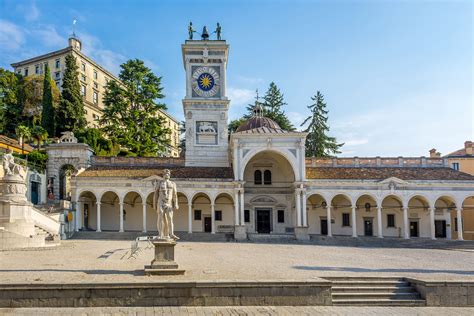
(206, 104)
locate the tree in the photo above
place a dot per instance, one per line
(48, 113)
(99, 144)
(23, 133)
(318, 143)
(272, 107)
(71, 113)
(131, 115)
(39, 134)
(234, 124)
(10, 108)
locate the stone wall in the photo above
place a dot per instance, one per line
(445, 293)
(167, 294)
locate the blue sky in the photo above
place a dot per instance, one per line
(397, 75)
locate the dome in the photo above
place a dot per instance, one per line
(257, 122)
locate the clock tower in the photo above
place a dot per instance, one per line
(206, 105)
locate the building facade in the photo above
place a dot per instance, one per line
(93, 79)
(258, 180)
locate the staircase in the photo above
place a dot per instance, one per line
(374, 291)
(279, 238)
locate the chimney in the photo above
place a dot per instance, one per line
(433, 153)
(468, 147)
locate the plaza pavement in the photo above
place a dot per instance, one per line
(244, 310)
(94, 261)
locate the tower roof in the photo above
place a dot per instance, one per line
(256, 122)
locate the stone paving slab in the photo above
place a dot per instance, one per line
(110, 261)
(243, 310)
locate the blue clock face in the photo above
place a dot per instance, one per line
(205, 81)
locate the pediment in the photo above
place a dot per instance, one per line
(394, 180)
(263, 199)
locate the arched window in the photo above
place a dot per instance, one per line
(257, 177)
(267, 177)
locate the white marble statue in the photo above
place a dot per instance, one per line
(10, 167)
(165, 201)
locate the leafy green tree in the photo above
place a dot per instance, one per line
(10, 108)
(71, 114)
(318, 143)
(39, 134)
(31, 96)
(182, 132)
(131, 115)
(48, 120)
(273, 103)
(23, 133)
(234, 124)
(37, 160)
(99, 144)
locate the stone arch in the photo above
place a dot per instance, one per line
(88, 208)
(110, 210)
(133, 211)
(316, 204)
(201, 202)
(288, 155)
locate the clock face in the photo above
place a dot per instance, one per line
(205, 82)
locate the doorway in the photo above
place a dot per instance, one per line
(368, 227)
(207, 224)
(414, 229)
(324, 226)
(34, 192)
(264, 223)
(86, 216)
(440, 229)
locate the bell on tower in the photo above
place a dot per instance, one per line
(205, 34)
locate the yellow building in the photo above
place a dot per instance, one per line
(93, 79)
(462, 160)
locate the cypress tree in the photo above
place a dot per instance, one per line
(71, 114)
(48, 113)
(318, 143)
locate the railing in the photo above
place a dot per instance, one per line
(45, 222)
(377, 162)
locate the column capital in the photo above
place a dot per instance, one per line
(98, 203)
(121, 203)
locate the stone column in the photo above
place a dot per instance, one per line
(298, 207)
(78, 215)
(305, 212)
(379, 222)
(406, 229)
(144, 216)
(354, 222)
(242, 216)
(98, 204)
(213, 219)
(328, 214)
(459, 222)
(236, 208)
(190, 217)
(121, 217)
(432, 223)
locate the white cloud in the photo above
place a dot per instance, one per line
(296, 118)
(355, 142)
(11, 36)
(30, 11)
(240, 96)
(50, 37)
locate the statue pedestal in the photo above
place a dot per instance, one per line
(240, 233)
(164, 263)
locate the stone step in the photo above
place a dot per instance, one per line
(365, 278)
(378, 302)
(376, 295)
(375, 283)
(371, 289)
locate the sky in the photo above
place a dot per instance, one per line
(397, 76)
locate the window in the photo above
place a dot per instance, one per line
(83, 78)
(96, 86)
(346, 220)
(95, 74)
(58, 63)
(18, 71)
(85, 111)
(26, 72)
(95, 116)
(247, 216)
(95, 97)
(267, 177)
(83, 67)
(218, 215)
(257, 177)
(57, 74)
(37, 69)
(281, 216)
(197, 215)
(83, 90)
(455, 166)
(390, 220)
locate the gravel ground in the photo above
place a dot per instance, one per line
(110, 261)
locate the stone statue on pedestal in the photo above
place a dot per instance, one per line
(165, 201)
(10, 167)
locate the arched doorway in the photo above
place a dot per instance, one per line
(88, 202)
(446, 209)
(133, 212)
(202, 218)
(366, 211)
(224, 213)
(110, 211)
(341, 217)
(468, 218)
(65, 173)
(392, 218)
(317, 215)
(419, 220)
(269, 174)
